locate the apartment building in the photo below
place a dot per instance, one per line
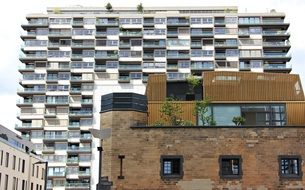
(20, 169)
(73, 55)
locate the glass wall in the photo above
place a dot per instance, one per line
(254, 114)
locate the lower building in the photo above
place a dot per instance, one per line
(20, 168)
(153, 146)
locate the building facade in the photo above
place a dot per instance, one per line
(74, 55)
(19, 168)
(159, 143)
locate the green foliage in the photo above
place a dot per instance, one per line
(171, 112)
(158, 123)
(187, 123)
(192, 82)
(201, 110)
(140, 8)
(57, 10)
(238, 120)
(109, 7)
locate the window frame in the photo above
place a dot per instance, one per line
(240, 172)
(171, 176)
(290, 176)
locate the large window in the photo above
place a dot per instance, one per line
(290, 167)
(171, 166)
(230, 166)
(223, 115)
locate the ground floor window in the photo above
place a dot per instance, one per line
(230, 166)
(171, 166)
(289, 166)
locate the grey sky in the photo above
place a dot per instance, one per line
(13, 14)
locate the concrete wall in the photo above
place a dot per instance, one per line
(201, 148)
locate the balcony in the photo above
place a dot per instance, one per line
(225, 44)
(36, 57)
(105, 22)
(201, 34)
(130, 34)
(244, 67)
(27, 126)
(172, 33)
(178, 56)
(59, 34)
(56, 174)
(178, 22)
(73, 160)
(77, 186)
(75, 90)
(78, 23)
(124, 45)
(85, 137)
(80, 113)
(31, 91)
(35, 24)
(74, 126)
(25, 102)
(124, 79)
(130, 67)
(220, 55)
(57, 102)
(196, 45)
(79, 149)
(105, 56)
(277, 56)
(86, 173)
(276, 33)
(272, 67)
(203, 66)
(177, 76)
(55, 137)
(82, 45)
(276, 44)
(154, 45)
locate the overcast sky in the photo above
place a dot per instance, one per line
(13, 14)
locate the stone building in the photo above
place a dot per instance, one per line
(265, 152)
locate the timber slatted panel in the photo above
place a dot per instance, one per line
(295, 113)
(154, 113)
(246, 86)
(156, 87)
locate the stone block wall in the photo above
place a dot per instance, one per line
(200, 148)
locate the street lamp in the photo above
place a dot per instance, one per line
(103, 183)
(45, 172)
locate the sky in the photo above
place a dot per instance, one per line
(13, 13)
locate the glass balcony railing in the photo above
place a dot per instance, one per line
(204, 66)
(59, 33)
(154, 45)
(177, 76)
(244, 66)
(220, 55)
(276, 44)
(224, 44)
(130, 67)
(55, 137)
(73, 160)
(75, 90)
(176, 22)
(201, 33)
(84, 173)
(277, 66)
(178, 56)
(129, 33)
(276, 55)
(275, 33)
(77, 185)
(79, 148)
(56, 174)
(80, 112)
(106, 56)
(107, 22)
(124, 78)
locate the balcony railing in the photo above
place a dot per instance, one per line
(275, 33)
(130, 34)
(178, 56)
(277, 66)
(276, 44)
(77, 185)
(81, 112)
(55, 137)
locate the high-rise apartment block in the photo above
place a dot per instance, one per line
(73, 55)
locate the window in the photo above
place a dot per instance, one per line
(1, 157)
(6, 182)
(23, 166)
(230, 166)
(290, 167)
(7, 159)
(171, 167)
(14, 162)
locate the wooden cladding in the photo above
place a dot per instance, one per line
(154, 114)
(295, 113)
(246, 86)
(156, 87)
